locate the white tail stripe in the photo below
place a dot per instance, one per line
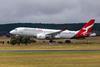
(87, 28)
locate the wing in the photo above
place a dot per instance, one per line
(52, 35)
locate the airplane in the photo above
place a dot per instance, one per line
(50, 34)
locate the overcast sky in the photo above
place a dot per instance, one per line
(49, 11)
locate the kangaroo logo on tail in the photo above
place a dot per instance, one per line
(86, 29)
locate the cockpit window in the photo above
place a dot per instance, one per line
(15, 29)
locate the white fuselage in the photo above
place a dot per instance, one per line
(39, 33)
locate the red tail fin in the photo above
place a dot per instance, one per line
(86, 29)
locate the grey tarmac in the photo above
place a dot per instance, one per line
(48, 50)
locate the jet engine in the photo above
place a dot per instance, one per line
(41, 36)
(44, 36)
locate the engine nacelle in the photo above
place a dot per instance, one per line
(41, 36)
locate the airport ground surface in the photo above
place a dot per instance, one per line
(50, 59)
(79, 53)
(85, 44)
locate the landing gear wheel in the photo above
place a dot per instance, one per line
(67, 41)
(50, 41)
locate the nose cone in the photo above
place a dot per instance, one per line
(12, 32)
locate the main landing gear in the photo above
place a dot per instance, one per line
(51, 41)
(67, 41)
